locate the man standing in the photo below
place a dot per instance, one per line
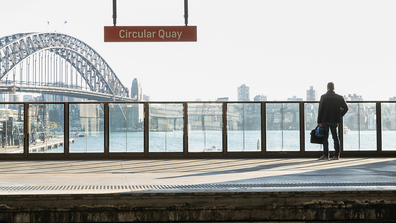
(332, 107)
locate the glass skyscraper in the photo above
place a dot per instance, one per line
(136, 90)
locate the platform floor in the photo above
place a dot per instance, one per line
(195, 175)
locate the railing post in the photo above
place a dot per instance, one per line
(302, 127)
(224, 119)
(26, 129)
(379, 127)
(106, 129)
(66, 130)
(263, 128)
(185, 129)
(341, 135)
(146, 129)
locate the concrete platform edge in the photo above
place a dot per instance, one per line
(375, 206)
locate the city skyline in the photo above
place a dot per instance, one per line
(137, 89)
(276, 48)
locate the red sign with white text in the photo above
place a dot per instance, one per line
(150, 33)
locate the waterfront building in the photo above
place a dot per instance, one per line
(136, 90)
(311, 94)
(2, 99)
(28, 98)
(146, 98)
(222, 99)
(260, 98)
(243, 93)
(294, 98)
(13, 98)
(353, 97)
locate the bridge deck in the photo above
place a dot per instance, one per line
(160, 176)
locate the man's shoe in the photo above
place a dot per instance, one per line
(336, 157)
(324, 158)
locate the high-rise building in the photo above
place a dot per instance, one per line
(243, 93)
(311, 94)
(136, 90)
(260, 98)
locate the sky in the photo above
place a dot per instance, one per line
(279, 48)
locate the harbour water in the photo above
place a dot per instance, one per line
(211, 141)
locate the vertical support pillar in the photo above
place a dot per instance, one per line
(146, 129)
(41, 67)
(302, 127)
(34, 69)
(340, 135)
(379, 127)
(66, 129)
(21, 73)
(27, 71)
(263, 128)
(224, 119)
(26, 129)
(48, 68)
(106, 129)
(185, 129)
(46, 71)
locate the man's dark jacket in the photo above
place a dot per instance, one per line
(332, 107)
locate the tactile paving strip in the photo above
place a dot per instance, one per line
(191, 187)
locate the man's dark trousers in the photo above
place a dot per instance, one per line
(333, 128)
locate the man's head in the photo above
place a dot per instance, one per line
(330, 86)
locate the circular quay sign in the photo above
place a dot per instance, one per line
(150, 33)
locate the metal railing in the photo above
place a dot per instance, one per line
(146, 130)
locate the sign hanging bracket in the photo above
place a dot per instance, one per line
(186, 12)
(150, 33)
(114, 12)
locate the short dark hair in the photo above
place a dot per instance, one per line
(330, 86)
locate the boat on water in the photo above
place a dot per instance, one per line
(76, 134)
(212, 149)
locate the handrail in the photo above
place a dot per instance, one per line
(266, 131)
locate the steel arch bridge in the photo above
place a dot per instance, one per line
(59, 64)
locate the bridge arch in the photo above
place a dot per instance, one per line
(97, 74)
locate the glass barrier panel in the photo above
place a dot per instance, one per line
(11, 128)
(205, 127)
(283, 133)
(360, 127)
(311, 121)
(244, 127)
(126, 127)
(46, 128)
(86, 128)
(166, 127)
(388, 114)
